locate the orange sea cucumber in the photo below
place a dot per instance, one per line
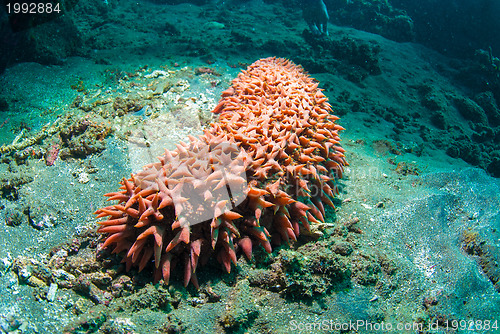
(255, 177)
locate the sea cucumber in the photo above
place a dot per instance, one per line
(254, 178)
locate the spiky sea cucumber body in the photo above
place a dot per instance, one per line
(256, 176)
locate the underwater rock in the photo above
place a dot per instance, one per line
(485, 254)
(49, 43)
(353, 58)
(470, 110)
(379, 17)
(494, 166)
(124, 106)
(14, 216)
(150, 297)
(82, 137)
(487, 101)
(241, 308)
(11, 182)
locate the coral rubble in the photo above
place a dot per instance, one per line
(255, 177)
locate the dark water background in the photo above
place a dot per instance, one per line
(454, 27)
